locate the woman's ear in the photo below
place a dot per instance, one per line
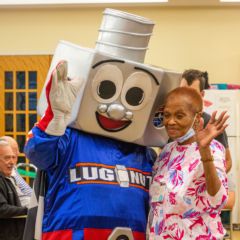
(199, 114)
(199, 122)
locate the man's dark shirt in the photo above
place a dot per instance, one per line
(11, 227)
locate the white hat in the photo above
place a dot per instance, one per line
(124, 35)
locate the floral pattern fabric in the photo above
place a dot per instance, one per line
(181, 208)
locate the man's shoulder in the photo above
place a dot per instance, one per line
(2, 176)
(3, 181)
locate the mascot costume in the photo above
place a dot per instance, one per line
(98, 112)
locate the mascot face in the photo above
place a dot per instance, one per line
(120, 98)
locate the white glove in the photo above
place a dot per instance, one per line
(61, 94)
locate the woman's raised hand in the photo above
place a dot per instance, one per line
(214, 127)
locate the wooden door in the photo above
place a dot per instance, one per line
(21, 81)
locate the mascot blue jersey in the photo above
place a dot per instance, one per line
(95, 184)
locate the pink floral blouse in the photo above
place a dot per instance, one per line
(181, 208)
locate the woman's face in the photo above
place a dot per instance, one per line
(178, 117)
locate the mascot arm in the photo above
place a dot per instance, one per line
(45, 151)
(61, 94)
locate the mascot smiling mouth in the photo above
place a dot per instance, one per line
(111, 125)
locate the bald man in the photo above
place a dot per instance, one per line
(24, 190)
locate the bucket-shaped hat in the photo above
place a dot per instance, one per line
(124, 35)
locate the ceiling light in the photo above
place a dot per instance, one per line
(230, 1)
(43, 2)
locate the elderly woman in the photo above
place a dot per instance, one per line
(189, 186)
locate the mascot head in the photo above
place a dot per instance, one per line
(122, 96)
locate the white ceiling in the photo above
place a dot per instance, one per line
(200, 3)
(91, 3)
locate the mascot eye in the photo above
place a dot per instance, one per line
(137, 91)
(106, 89)
(134, 96)
(107, 83)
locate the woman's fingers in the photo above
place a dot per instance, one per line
(223, 128)
(222, 115)
(222, 123)
(213, 117)
(221, 120)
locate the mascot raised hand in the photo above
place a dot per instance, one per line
(99, 112)
(61, 94)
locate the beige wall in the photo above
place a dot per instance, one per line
(205, 38)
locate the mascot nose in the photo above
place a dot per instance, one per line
(116, 111)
